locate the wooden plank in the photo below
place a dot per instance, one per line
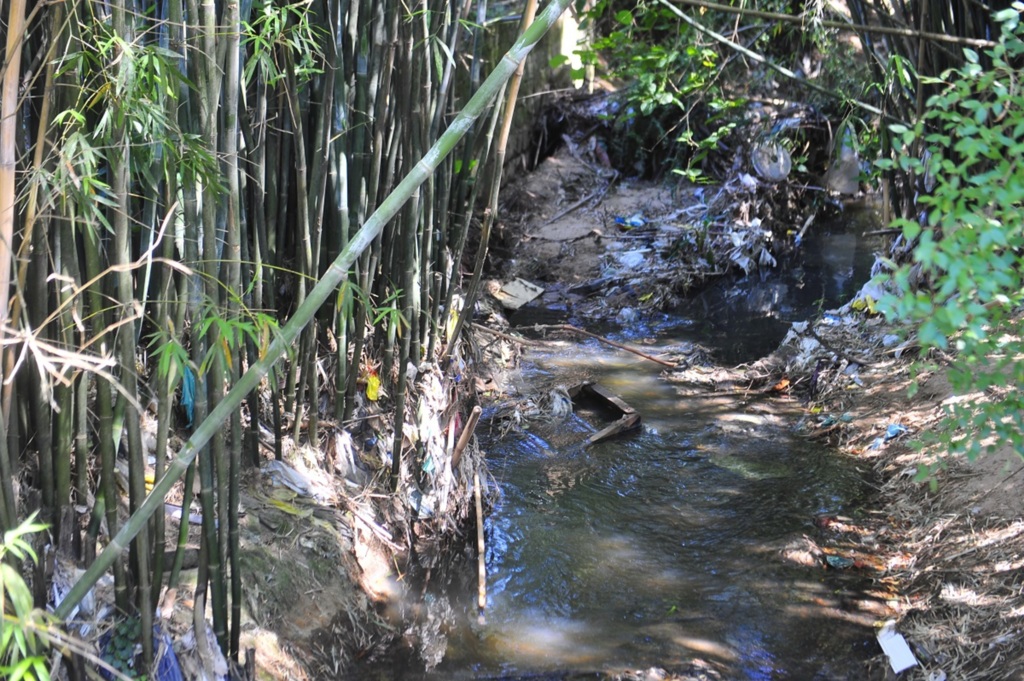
(609, 397)
(624, 425)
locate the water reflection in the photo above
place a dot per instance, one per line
(743, 319)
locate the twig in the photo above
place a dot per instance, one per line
(761, 59)
(849, 358)
(803, 230)
(575, 329)
(842, 25)
(597, 194)
(373, 527)
(505, 336)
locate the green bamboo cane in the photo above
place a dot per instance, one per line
(8, 515)
(234, 275)
(405, 253)
(212, 467)
(476, 149)
(119, 159)
(334, 275)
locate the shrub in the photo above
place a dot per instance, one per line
(970, 241)
(24, 642)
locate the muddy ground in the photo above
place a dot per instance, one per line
(946, 554)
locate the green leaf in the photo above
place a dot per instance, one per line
(21, 669)
(911, 230)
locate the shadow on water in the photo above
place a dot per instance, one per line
(667, 546)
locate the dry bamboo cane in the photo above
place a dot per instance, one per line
(8, 165)
(467, 432)
(607, 341)
(490, 212)
(481, 553)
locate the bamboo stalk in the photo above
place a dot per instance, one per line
(467, 433)
(327, 285)
(607, 341)
(212, 467)
(8, 166)
(231, 28)
(119, 159)
(104, 402)
(481, 548)
(8, 511)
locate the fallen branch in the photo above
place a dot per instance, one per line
(841, 25)
(606, 341)
(505, 336)
(595, 195)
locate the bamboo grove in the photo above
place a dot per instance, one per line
(190, 191)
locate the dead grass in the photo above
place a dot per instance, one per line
(950, 550)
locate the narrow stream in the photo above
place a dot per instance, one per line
(666, 546)
(657, 548)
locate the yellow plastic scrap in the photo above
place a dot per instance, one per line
(372, 386)
(290, 509)
(865, 304)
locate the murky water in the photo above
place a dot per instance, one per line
(666, 546)
(744, 319)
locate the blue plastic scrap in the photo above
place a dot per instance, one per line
(188, 394)
(635, 220)
(893, 431)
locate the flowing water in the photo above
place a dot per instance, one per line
(665, 546)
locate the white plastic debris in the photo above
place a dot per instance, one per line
(895, 648)
(281, 473)
(771, 161)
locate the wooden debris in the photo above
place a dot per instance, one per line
(628, 419)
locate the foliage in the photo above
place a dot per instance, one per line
(970, 241)
(122, 649)
(23, 643)
(670, 74)
(289, 27)
(677, 106)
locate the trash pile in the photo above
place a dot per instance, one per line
(603, 241)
